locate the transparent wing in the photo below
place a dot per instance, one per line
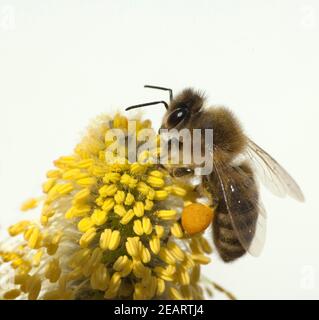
(240, 193)
(272, 174)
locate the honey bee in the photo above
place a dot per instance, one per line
(239, 225)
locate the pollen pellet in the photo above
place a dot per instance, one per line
(196, 217)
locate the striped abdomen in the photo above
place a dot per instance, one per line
(244, 205)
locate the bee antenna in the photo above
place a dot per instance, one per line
(161, 88)
(146, 104)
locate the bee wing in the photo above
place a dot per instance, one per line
(272, 174)
(240, 196)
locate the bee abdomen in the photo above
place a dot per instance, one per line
(226, 238)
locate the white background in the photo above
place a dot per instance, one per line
(64, 62)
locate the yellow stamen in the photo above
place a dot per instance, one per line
(147, 225)
(53, 271)
(115, 240)
(166, 214)
(36, 259)
(108, 205)
(99, 217)
(129, 199)
(64, 189)
(161, 195)
(201, 259)
(178, 191)
(81, 195)
(46, 187)
(100, 278)
(105, 239)
(138, 228)
(155, 182)
(176, 230)
(112, 177)
(119, 197)
(85, 224)
(71, 174)
(148, 205)
(18, 228)
(86, 182)
(167, 256)
(108, 190)
(175, 294)
(87, 237)
(160, 287)
(155, 245)
(29, 204)
(54, 174)
(119, 210)
(138, 209)
(159, 230)
(133, 246)
(127, 217)
(176, 251)
(140, 270)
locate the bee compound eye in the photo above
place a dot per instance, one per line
(182, 172)
(177, 116)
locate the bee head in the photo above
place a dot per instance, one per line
(182, 108)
